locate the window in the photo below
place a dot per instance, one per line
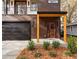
(32, 7)
(8, 5)
(3, 5)
(52, 1)
(11, 2)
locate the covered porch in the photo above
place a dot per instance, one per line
(49, 15)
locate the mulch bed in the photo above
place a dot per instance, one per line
(60, 53)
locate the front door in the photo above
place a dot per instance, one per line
(51, 30)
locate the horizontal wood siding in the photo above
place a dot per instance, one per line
(43, 5)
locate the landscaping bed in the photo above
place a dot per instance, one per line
(50, 51)
(45, 53)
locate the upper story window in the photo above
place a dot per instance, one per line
(32, 7)
(8, 5)
(52, 1)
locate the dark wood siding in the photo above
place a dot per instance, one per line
(43, 5)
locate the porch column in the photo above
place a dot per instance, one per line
(38, 28)
(65, 36)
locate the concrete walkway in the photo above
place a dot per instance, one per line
(10, 49)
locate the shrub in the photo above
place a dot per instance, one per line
(31, 45)
(52, 53)
(55, 44)
(37, 54)
(46, 45)
(68, 53)
(72, 45)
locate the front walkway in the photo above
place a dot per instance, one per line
(10, 49)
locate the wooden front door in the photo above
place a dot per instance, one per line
(51, 30)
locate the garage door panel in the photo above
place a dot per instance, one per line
(16, 31)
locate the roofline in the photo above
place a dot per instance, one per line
(51, 12)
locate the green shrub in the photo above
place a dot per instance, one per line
(23, 57)
(68, 53)
(37, 54)
(72, 44)
(46, 45)
(55, 44)
(31, 45)
(52, 53)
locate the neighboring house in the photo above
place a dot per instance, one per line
(72, 29)
(21, 19)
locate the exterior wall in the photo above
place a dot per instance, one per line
(43, 5)
(72, 30)
(16, 18)
(43, 26)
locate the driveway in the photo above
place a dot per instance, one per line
(10, 49)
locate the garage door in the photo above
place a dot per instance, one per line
(16, 31)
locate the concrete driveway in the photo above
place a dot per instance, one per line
(10, 49)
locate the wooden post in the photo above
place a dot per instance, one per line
(65, 36)
(38, 28)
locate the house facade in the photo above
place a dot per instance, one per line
(21, 19)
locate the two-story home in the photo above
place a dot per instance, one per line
(32, 19)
